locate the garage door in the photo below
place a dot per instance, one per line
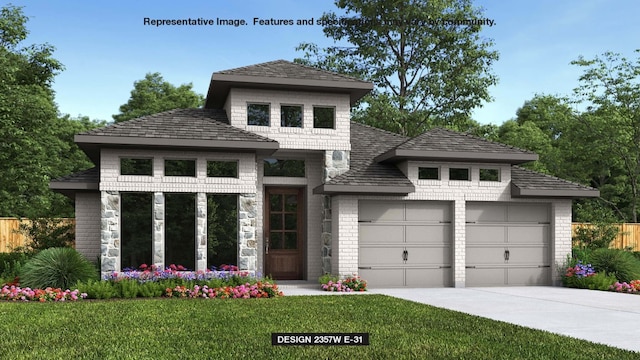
(508, 244)
(405, 243)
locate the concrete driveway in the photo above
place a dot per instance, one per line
(598, 316)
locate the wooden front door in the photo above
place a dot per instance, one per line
(283, 234)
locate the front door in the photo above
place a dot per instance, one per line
(284, 235)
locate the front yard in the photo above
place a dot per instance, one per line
(208, 329)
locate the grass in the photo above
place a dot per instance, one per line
(235, 329)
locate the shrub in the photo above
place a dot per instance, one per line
(127, 288)
(45, 233)
(350, 283)
(600, 281)
(11, 263)
(619, 263)
(56, 268)
(96, 289)
(582, 254)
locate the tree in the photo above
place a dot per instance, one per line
(426, 59)
(153, 95)
(610, 88)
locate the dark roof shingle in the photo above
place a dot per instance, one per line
(525, 182)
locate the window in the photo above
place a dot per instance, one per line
(130, 166)
(180, 229)
(180, 168)
(489, 175)
(291, 116)
(222, 169)
(136, 228)
(222, 230)
(428, 173)
(275, 167)
(323, 117)
(258, 114)
(459, 174)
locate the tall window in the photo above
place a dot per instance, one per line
(180, 230)
(291, 116)
(258, 114)
(324, 117)
(222, 230)
(136, 228)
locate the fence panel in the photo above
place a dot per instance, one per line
(10, 238)
(628, 236)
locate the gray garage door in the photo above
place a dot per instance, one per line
(508, 244)
(405, 243)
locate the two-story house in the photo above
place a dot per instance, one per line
(312, 192)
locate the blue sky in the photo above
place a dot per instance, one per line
(105, 47)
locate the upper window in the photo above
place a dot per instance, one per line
(258, 114)
(324, 117)
(459, 174)
(291, 116)
(275, 167)
(489, 175)
(428, 173)
(130, 166)
(180, 168)
(222, 169)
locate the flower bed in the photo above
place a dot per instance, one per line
(152, 273)
(631, 287)
(246, 291)
(16, 293)
(349, 284)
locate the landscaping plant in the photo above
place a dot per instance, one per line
(56, 268)
(350, 283)
(619, 263)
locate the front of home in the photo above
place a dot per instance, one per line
(273, 176)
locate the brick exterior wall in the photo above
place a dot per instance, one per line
(307, 137)
(561, 226)
(88, 225)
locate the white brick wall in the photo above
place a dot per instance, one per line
(344, 230)
(110, 178)
(88, 225)
(306, 137)
(561, 222)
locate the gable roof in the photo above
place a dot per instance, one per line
(180, 128)
(445, 145)
(283, 75)
(529, 183)
(366, 175)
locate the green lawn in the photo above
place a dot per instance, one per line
(232, 329)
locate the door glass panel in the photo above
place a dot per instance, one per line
(291, 240)
(276, 202)
(291, 203)
(275, 240)
(290, 221)
(275, 222)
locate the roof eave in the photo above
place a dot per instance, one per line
(333, 189)
(179, 143)
(221, 83)
(396, 155)
(518, 192)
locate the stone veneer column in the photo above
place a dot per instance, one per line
(247, 211)
(158, 230)
(201, 232)
(109, 232)
(336, 162)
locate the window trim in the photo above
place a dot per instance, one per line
(460, 168)
(301, 116)
(324, 107)
(490, 168)
(268, 112)
(237, 176)
(438, 168)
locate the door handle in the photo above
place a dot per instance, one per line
(405, 255)
(266, 240)
(506, 255)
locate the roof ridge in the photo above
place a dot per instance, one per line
(467, 134)
(249, 66)
(552, 177)
(291, 63)
(381, 130)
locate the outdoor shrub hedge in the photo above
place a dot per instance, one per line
(11, 263)
(619, 263)
(56, 268)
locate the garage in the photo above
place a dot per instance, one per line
(508, 244)
(405, 243)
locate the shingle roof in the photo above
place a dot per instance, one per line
(86, 176)
(191, 124)
(289, 70)
(529, 183)
(443, 144)
(366, 143)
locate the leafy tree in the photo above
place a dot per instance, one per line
(153, 95)
(425, 69)
(610, 87)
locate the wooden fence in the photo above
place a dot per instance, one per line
(10, 238)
